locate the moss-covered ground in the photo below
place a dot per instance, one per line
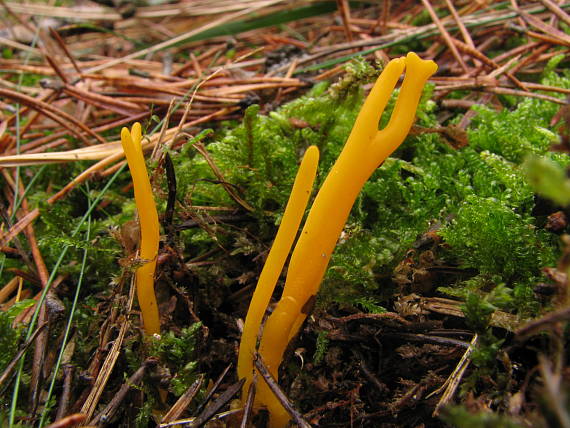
(449, 277)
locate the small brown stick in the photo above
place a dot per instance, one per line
(367, 372)
(453, 381)
(445, 35)
(163, 129)
(363, 316)
(428, 338)
(122, 107)
(227, 186)
(279, 394)
(555, 9)
(208, 53)
(516, 92)
(248, 403)
(214, 388)
(344, 9)
(183, 402)
(63, 47)
(8, 289)
(527, 47)
(545, 38)
(63, 406)
(56, 68)
(464, 32)
(543, 323)
(544, 27)
(503, 68)
(530, 58)
(487, 61)
(196, 65)
(109, 411)
(382, 20)
(221, 401)
(539, 87)
(289, 73)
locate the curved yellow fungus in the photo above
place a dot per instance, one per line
(149, 228)
(365, 149)
(275, 260)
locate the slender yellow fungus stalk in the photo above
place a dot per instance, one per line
(149, 228)
(275, 260)
(365, 150)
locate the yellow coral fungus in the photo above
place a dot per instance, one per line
(365, 150)
(275, 260)
(149, 228)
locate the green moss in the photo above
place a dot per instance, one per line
(515, 134)
(177, 353)
(495, 239)
(460, 417)
(321, 347)
(10, 337)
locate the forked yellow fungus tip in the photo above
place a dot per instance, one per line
(365, 150)
(149, 228)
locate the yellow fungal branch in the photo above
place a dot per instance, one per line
(290, 222)
(365, 150)
(149, 228)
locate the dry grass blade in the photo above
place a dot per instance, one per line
(248, 403)
(92, 401)
(547, 29)
(453, 381)
(183, 37)
(183, 402)
(89, 406)
(111, 409)
(96, 152)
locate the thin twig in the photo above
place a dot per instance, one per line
(274, 386)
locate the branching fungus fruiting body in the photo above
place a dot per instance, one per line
(149, 228)
(280, 249)
(366, 149)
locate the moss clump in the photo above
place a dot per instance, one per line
(176, 353)
(478, 194)
(9, 336)
(460, 417)
(259, 158)
(489, 236)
